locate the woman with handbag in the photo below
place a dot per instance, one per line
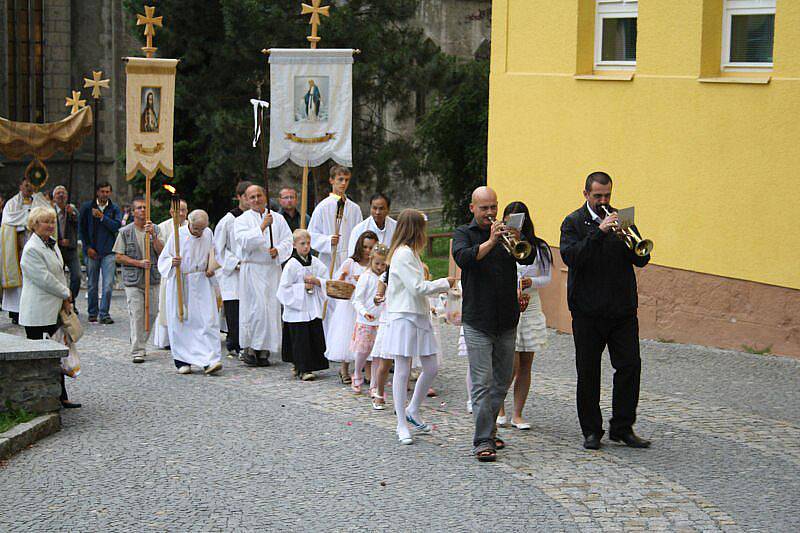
(44, 287)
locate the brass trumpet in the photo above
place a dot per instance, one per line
(631, 237)
(518, 249)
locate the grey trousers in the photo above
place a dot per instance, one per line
(135, 298)
(491, 366)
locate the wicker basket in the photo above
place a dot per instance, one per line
(339, 290)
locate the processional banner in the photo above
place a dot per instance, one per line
(311, 106)
(149, 105)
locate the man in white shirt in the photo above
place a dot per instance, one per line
(228, 275)
(379, 221)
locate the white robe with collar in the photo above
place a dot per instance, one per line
(368, 224)
(196, 340)
(228, 258)
(160, 334)
(259, 277)
(322, 226)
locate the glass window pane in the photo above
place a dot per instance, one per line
(751, 38)
(619, 39)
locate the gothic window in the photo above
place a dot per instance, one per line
(25, 19)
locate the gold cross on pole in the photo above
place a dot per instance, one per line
(315, 11)
(149, 22)
(76, 102)
(95, 83)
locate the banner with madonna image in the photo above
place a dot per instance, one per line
(311, 106)
(149, 101)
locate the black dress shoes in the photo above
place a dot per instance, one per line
(630, 439)
(592, 441)
(70, 405)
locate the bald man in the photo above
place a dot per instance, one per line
(490, 314)
(194, 339)
(261, 254)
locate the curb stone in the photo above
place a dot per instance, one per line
(23, 435)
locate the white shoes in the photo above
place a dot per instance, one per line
(216, 367)
(186, 369)
(469, 406)
(502, 420)
(521, 425)
(404, 437)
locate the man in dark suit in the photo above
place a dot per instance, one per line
(67, 234)
(602, 297)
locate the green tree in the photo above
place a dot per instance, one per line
(218, 43)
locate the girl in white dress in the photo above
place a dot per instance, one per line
(532, 327)
(409, 331)
(368, 312)
(381, 362)
(343, 320)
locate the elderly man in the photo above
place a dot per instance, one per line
(288, 201)
(192, 322)
(261, 251)
(67, 235)
(129, 249)
(160, 335)
(228, 275)
(490, 314)
(13, 236)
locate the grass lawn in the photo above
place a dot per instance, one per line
(439, 260)
(12, 417)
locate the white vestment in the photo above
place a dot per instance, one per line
(228, 258)
(259, 276)
(340, 320)
(298, 304)
(160, 336)
(196, 339)
(368, 224)
(323, 224)
(15, 220)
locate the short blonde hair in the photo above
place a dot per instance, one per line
(300, 232)
(38, 214)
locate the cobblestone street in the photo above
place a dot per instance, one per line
(253, 449)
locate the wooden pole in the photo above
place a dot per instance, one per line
(334, 248)
(304, 197)
(96, 136)
(265, 162)
(147, 256)
(176, 207)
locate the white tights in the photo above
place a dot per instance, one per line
(402, 369)
(361, 362)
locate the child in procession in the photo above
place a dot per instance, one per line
(302, 293)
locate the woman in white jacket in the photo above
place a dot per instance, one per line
(409, 331)
(44, 288)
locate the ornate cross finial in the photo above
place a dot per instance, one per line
(76, 102)
(96, 83)
(149, 22)
(315, 10)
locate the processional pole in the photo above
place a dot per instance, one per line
(77, 104)
(96, 83)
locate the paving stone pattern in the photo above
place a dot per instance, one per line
(254, 449)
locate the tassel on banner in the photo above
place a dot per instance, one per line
(256, 119)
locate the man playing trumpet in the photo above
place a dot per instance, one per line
(602, 297)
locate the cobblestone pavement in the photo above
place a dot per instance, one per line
(253, 449)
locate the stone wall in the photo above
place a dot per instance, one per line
(30, 373)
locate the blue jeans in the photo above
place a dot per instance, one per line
(108, 265)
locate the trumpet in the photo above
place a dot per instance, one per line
(631, 237)
(518, 249)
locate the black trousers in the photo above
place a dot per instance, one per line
(232, 320)
(73, 264)
(591, 336)
(37, 333)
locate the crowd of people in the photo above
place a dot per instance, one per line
(348, 291)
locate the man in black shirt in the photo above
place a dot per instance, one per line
(490, 314)
(601, 293)
(288, 201)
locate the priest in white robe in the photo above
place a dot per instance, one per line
(160, 336)
(13, 236)
(378, 222)
(259, 276)
(195, 340)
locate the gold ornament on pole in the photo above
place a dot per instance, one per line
(96, 83)
(315, 10)
(149, 22)
(76, 102)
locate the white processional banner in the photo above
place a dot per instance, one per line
(311, 106)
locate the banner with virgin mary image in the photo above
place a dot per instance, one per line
(149, 99)
(311, 106)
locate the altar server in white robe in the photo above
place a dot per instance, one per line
(228, 275)
(322, 226)
(378, 222)
(195, 340)
(259, 276)
(160, 336)
(13, 236)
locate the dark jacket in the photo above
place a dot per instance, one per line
(489, 286)
(70, 230)
(601, 281)
(99, 234)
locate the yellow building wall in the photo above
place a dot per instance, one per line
(712, 168)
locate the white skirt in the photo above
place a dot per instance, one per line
(377, 348)
(532, 327)
(409, 334)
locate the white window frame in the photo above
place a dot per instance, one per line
(742, 7)
(612, 9)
